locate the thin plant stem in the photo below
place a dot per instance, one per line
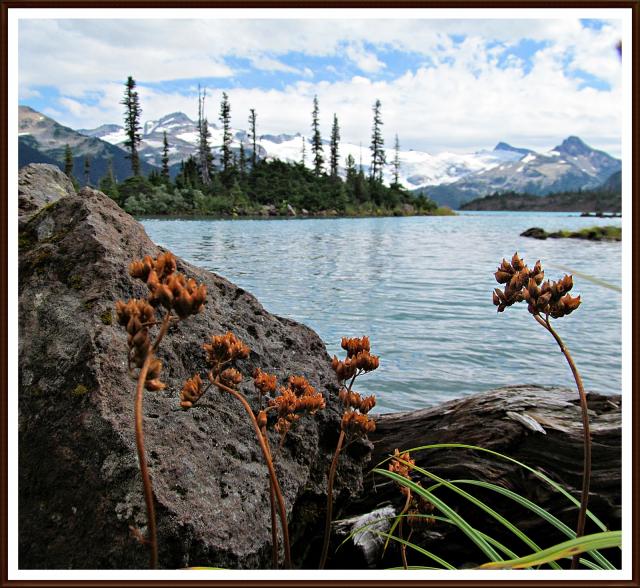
(272, 472)
(332, 475)
(272, 500)
(142, 457)
(403, 546)
(327, 522)
(586, 467)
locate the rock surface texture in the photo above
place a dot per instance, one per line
(40, 184)
(80, 489)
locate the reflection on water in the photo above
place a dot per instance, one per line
(420, 287)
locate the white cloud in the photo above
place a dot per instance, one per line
(366, 61)
(463, 100)
(265, 63)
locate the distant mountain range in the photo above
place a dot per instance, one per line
(572, 165)
(448, 178)
(42, 140)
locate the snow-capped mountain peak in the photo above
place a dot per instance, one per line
(570, 164)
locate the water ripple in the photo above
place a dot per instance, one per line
(421, 289)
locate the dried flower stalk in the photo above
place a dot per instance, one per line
(295, 398)
(175, 293)
(548, 299)
(355, 422)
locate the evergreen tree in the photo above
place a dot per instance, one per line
(68, 161)
(87, 170)
(316, 139)
(225, 119)
(132, 125)
(242, 161)
(254, 139)
(165, 157)
(205, 158)
(304, 152)
(350, 164)
(396, 163)
(108, 183)
(335, 142)
(378, 158)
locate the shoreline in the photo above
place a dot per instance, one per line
(285, 216)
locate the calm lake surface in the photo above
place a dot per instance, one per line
(420, 287)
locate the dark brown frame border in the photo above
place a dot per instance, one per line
(5, 5)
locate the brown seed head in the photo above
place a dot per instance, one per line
(543, 297)
(356, 424)
(344, 370)
(353, 346)
(367, 404)
(398, 466)
(140, 268)
(191, 392)
(165, 265)
(365, 361)
(261, 418)
(225, 348)
(264, 383)
(231, 377)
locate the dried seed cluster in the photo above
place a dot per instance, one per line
(359, 360)
(264, 383)
(136, 316)
(221, 350)
(169, 288)
(224, 349)
(191, 392)
(402, 464)
(296, 398)
(523, 284)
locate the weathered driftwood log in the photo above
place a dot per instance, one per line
(539, 426)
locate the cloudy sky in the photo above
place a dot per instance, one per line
(456, 85)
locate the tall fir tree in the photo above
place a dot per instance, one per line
(165, 157)
(303, 154)
(242, 161)
(254, 139)
(68, 161)
(225, 120)
(205, 158)
(335, 146)
(316, 139)
(350, 164)
(378, 158)
(396, 163)
(87, 170)
(132, 126)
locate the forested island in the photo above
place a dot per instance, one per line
(227, 181)
(606, 198)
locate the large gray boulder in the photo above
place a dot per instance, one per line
(40, 184)
(80, 489)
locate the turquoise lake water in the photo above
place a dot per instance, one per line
(420, 287)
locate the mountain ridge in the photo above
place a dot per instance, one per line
(449, 178)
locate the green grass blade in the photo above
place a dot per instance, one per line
(538, 510)
(465, 527)
(417, 548)
(482, 506)
(414, 568)
(535, 472)
(560, 551)
(510, 554)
